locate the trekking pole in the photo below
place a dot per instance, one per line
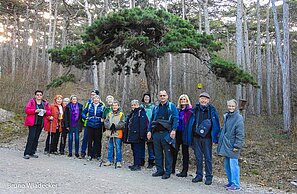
(50, 138)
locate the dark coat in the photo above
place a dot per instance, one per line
(137, 123)
(231, 136)
(215, 125)
(94, 119)
(68, 114)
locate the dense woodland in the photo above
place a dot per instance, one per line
(258, 36)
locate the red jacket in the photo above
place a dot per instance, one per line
(30, 111)
(54, 108)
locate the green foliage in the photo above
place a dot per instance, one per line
(142, 34)
(231, 72)
(60, 80)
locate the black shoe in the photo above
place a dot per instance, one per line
(166, 176)
(77, 155)
(142, 162)
(33, 156)
(196, 179)
(62, 153)
(182, 174)
(69, 155)
(131, 166)
(157, 174)
(173, 172)
(135, 168)
(150, 165)
(208, 181)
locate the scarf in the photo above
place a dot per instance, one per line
(74, 115)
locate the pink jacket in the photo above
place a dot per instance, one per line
(30, 111)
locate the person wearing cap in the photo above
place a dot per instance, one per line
(148, 106)
(202, 130)
(93, 115)
(85, 137)
(230, 143)
(167, 114)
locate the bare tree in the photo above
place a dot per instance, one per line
(259, 62)
(268, 62)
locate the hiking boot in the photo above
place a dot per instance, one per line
(33, 156)
(197, 179)
(70, 155)
(99, 158)
(77, 155)
(135, 168)
(118, 165)
(182, 174)
(62, 153)
(131, 166)
(108, 163)
(142, 162)
(150, 165)
(83, 156)
(165, 176)
(227, 185)
(157, 174)
(208, 181)
(88, 158)
(26, 157)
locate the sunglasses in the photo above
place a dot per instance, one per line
(162, 95)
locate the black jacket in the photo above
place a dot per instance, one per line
(67, 117)
(137, 124)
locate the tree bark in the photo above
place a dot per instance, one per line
(152, 77)
(239, 44)
(259, 62)
(268, 63)
(206, 20)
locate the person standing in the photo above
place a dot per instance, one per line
(203, 128)
(54, 126)
(184, 107)
(230, 143)
(148, 106)
(85, 136)
(114, 123)
(137, 123)
(73, 123)
(36, 111)
(163, 125)
(93, 115)
(64, 131)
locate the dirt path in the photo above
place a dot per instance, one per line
(60, 174)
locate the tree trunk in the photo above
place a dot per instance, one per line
(95, 75)
(239, 44)
(102, 70)
(259, 62)
(152, 77)
(206, 20)
(49, 62)
(268, 63)
(13, 50)
(285, 69)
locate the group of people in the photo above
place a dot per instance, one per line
(163, 127)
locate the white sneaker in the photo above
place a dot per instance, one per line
(119, 165)
(108, 163)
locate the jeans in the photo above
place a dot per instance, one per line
(74, 131)
(94, 140)
(32, 141)
(138, 150)
(232, 171)
(84, 142)
(203, 148)
(118, 147)
(162, 148)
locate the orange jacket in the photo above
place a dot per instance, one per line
(56, 122)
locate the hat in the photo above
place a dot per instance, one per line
(204, 94)
(95, 91)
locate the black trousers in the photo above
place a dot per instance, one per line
(54, 142)
(63, 140)
(185, 153)
(32, 140)
(94, 140)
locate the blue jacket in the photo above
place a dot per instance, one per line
(231, 136)
(215, 124)
(137, 123)
(93, 119)
(172, 113)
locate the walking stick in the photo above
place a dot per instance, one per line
(50, 138)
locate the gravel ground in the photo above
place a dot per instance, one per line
(61, 174)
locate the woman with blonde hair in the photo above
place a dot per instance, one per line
(184, 106)
(54, 126)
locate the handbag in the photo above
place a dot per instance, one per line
(203, 128)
